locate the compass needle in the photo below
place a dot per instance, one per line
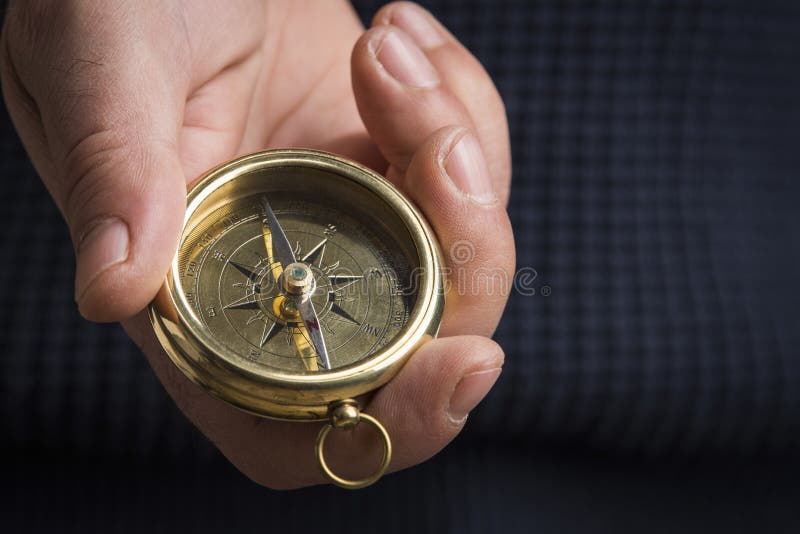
(279, 248)
(304, 349)
(284, 253)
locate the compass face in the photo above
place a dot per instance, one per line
(352, 270)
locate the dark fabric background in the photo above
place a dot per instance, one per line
(651, 383)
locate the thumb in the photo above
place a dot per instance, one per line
(102, 133)
(124, 213)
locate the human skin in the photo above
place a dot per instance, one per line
(121, 105)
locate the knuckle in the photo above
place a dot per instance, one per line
(92, 171)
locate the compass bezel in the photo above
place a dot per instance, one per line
(271, 392)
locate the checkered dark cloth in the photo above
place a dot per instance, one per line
(656, 196)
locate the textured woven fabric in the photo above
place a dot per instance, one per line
(655, 195)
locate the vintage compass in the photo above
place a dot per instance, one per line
(302, 281)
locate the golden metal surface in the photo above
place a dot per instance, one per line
(297, 279)
(346, 415)
(226, 320)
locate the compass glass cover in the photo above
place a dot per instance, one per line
(356, 248)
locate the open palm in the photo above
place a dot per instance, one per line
(120, 106)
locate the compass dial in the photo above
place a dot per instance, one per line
(356, 276)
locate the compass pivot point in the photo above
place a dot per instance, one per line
(297, 279)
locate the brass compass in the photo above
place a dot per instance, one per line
(302, 282)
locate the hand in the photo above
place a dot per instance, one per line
(121, 104)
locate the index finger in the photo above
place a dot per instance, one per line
(465, 78)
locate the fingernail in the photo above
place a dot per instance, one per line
(417, 23)
(467, 168)
(404, 61)
(103, 246)
(470, 390)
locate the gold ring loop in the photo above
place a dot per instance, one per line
(363, 482)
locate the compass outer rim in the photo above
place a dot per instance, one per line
(267, 392)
